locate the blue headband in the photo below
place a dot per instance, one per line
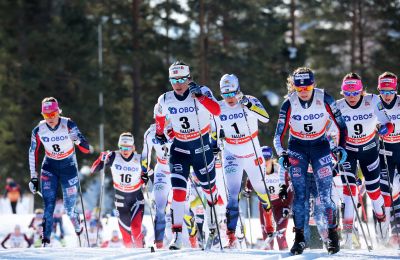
(303, 79)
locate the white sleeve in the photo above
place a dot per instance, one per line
(147, 149)
(160, 108)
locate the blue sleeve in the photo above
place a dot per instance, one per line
(282, 126)
(336, 115)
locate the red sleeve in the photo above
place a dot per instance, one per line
(160, 124)
(287, 119)
(210, 105)
(97, 165)
(83, 149)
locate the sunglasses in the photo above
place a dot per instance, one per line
(181, 80)
(305, 88)
(50, 115)
(351, 93)
(229, 94)
(125, 148)
(387, 92)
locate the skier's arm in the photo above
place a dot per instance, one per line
(28, 241)
(282, 126)
(160, 116)
(255, 108)
(81, 141)
(147, 149)
(34, 152)
(5, 240)
(337, 118)
(209, 102)
(381, 114)
(105, 160)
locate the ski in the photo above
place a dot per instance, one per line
(273, 235)
(210, 240)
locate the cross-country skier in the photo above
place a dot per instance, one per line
(17, 239)
(306, 113)
(239, 121)
(188, 148)
(162, 179)
(387, 87)
(128, 178)
(59, 135)
(362, 113)
(281, 207)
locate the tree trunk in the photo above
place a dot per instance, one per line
(202, 38)
(361, 36)
(293, 22)
(136, 67)
(353, 35)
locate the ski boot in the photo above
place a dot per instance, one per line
(45, 242)
(332, 245)
(193, 241)
(299, 242)
(232, 240)
(177, 242)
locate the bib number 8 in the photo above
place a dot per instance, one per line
(56, 147)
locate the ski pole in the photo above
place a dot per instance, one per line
(249, 215)
(102, 177)
(83, 210)
(390, 189)
(354, 205)
(258, 162)
(208, 175)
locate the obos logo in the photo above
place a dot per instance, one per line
(54, 138)
(45, 139)
(346, 118)
(223, 117)
(296, 117)
(125, 168)
(172, 110)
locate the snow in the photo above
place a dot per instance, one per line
(9, 221)
(144, 253)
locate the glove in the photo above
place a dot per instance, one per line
(358, 182)
(340, 153)
(245, 101)
(161, 139)
(195, 89)
(104, 156)
(74, 137)
(34, 185)
(216, 150)
(144, 177)
(283, 195)
(385, 130)
(285, 212)
(284, 160)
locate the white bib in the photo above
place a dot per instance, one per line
(126, 175)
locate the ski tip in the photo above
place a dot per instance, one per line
(152, 249)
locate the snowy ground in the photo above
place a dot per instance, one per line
(8, 222)
(97, 253)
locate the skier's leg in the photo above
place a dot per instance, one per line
(49, 186)
(136, 214)
(162, 186)
(69, 184)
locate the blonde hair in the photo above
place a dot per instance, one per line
(49, 99)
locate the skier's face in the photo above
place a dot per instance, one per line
(126, 151)
(353, 99)
(305, 95)
(231, 101)
(180, 85)
(268, 166)
(52, 118)
(387, 94)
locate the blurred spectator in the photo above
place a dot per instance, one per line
(114, 242)
(37, 226)
(92, 233)
(13, 193)
(57, 217)
(16, 239)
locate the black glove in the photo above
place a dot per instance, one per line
(144, 177)
(285, 212)
(34, 185)
(245, 101)
(161, 139)
(216, 150)
(195, 89)
(283, 195)
(284, 160)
